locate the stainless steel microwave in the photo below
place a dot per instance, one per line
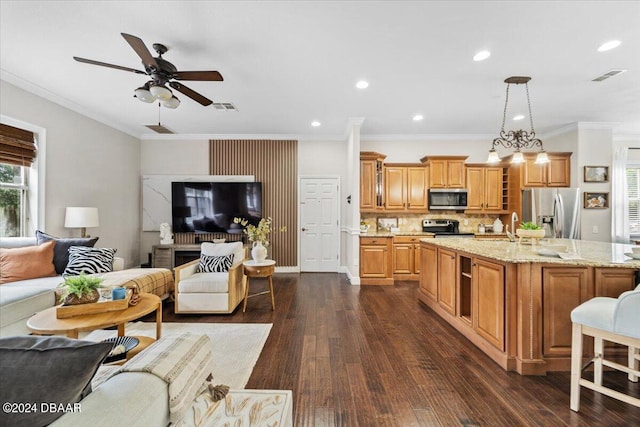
(452, 199)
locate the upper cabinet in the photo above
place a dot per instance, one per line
(446, 171)
(371, 181)
(487, 189)
(556, 173)
(405, 187)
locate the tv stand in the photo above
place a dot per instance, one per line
(170, 256)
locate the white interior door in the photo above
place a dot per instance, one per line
(319, 224)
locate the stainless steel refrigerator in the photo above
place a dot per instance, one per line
(556, 209)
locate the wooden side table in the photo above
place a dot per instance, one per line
(259, 269)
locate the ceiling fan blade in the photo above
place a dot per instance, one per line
(190, 93)
(211, 76)
(104, 64)
(138, 45)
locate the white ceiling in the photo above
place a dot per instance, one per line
(288, 63)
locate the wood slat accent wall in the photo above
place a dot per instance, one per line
(275, 164)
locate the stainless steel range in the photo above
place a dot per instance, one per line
(443, 228)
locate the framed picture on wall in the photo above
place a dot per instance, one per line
(596, 200)
(596, 173)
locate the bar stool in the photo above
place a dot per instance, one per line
(611, 319)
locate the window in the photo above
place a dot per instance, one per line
(13, 200)
(633, 194)
(19, 180)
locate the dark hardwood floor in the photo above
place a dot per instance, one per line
(374, 355)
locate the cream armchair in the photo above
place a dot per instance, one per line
(198, 292)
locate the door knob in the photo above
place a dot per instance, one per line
(304, 229)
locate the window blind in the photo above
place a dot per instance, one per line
(633, 191)
(17, 146)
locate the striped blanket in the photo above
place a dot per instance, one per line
(184, 362)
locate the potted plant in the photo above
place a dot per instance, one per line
(80, 289)
(258, 236)
(530, 229)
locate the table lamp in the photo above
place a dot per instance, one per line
(81, 217)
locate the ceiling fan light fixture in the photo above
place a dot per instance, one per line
(143, 94)
(172, 102)
(161, 92)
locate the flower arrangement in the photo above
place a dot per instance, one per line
(259, 233)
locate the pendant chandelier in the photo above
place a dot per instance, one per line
(517, 139)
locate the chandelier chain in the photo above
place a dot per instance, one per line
(526, 85)
(504, 113)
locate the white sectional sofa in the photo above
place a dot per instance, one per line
(21, 299)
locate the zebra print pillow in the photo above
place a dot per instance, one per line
(87, 260)
(214, 264)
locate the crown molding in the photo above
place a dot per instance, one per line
(64, 102)
(427, 137)
(598, 125)
(206, 137)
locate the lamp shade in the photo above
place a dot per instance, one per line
(81, 217)
(172, 103)
(161, 92)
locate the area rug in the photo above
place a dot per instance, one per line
(236, 346)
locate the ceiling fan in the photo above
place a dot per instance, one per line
(161, 72)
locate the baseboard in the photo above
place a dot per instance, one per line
(353, 280)
(292, 269)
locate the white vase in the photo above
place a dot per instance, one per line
(258, 252)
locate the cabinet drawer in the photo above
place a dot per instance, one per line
(374, 240)
(407, 239)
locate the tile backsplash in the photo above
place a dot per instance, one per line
(411, 223)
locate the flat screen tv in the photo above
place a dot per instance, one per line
(210, 207)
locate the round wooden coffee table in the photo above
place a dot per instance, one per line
(46, 323)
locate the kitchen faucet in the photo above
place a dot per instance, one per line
(514, 218)
(511, 235)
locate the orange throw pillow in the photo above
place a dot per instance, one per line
(29, 262)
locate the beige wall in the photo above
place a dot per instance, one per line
(87, 164)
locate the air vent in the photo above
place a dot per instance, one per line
(227, 106)
(608, 74)
(159, 128)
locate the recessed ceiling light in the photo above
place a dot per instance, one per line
(315, 123)
(418, 117)
(609, 45)
(362, 84)
(518, 117)
(482, 55)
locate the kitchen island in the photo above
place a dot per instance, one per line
(514, 303)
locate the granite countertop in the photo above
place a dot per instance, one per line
(390, 234)
(591, 254)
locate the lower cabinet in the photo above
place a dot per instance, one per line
(488, 301)
(447, 280)
(375, 261)
(429, 272)
(406, 257)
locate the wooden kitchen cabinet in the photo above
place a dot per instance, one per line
(447, 280)
(487, 189)
(556, 173)
(446, 171)
(563, 289)
(406, 257)
(429, 274)
(371, 181)
(405, 188)
(375, 261)
(488, 301)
